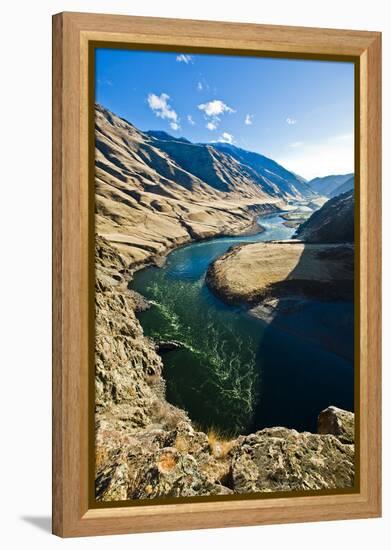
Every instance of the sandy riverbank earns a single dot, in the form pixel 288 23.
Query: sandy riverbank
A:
pixel 249 273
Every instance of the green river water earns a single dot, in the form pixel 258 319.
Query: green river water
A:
pixel 237 373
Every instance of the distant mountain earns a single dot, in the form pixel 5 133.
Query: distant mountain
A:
pixel 328 184
pixel 333 223
pixel 348 185
pixel 282 180
pixel 224 166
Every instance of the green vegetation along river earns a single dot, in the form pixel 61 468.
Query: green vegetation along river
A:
pixel 236 373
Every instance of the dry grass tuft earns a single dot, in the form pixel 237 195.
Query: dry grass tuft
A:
pixel 153 379
pixel 165 414
pixel 101 457
pixel 219 445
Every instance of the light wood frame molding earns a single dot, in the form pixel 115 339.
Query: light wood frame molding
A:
pixel 72 33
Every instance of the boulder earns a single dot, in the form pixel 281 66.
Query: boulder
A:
pixel 337 422
pixel 281 459
pixel 168 345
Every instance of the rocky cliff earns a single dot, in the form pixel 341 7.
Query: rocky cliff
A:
pixel 147 448
pixel 332 223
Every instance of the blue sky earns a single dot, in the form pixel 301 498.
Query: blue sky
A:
pixel 298 112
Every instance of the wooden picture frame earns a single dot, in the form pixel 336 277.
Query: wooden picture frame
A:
pixel 72 280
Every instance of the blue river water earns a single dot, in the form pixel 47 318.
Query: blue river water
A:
pixel 237 373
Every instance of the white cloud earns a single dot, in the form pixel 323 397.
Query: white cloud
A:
pixel 215 107
pixel 226 138
pixel 295 144
pixel 333 155
pixel 174 126
pixel 105 82
pixel 184 58
pixel 212 125
pixel 200 86
pixel 249 120
pixel 190 120
pixel 290 120
pixel 160 106
pixel 212 110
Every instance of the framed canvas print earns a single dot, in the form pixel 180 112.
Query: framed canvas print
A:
pixel 216 215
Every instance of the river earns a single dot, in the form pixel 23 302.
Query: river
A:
pixel 236 373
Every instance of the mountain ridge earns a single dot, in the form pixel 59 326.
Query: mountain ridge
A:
pixel 267 171
pixel 287 181
pixel 155 192
pixel 327 185
pixel 347 185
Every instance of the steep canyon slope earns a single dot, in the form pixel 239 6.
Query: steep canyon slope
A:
pixel 333 223
pixel 155 192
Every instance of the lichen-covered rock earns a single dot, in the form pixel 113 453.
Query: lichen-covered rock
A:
pixel 129 388
pixel 337 422
pixel 171 473
pixel 128 381
pixel 156 463
pixel 280 459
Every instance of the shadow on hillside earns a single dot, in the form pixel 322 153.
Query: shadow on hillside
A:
pixel 306 355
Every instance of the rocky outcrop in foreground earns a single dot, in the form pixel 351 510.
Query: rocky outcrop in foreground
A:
pixel 147 448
